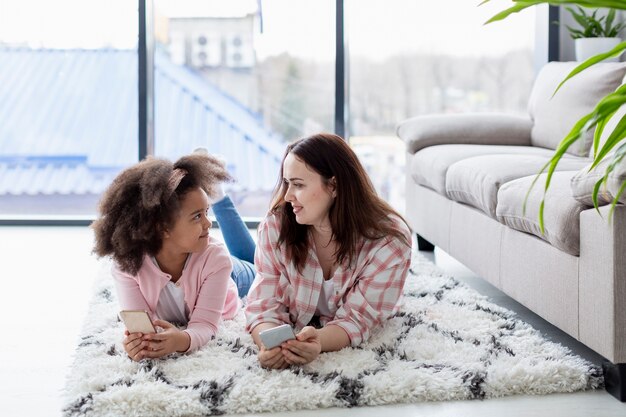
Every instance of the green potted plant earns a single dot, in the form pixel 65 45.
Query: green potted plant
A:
pixel 614 148
pixel 595 34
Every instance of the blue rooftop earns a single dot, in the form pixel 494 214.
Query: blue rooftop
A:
pixel 68 121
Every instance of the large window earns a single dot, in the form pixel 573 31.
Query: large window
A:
pixel 243 81
pixel 409 58
pixel 241 78
pixel 68 103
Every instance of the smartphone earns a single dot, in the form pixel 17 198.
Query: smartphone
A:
pixel 275 336
pixel 137 321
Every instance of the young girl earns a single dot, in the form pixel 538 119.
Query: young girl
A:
pixel 332 257
pixel 154 224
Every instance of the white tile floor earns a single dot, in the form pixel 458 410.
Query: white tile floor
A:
pixel 47 277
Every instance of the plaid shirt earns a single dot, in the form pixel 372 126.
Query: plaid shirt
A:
pixel 364 296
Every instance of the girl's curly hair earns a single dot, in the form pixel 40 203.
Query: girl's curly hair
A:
pixel 143 202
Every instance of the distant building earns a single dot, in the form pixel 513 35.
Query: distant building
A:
pixel 221 49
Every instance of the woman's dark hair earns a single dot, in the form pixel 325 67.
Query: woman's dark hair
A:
pixel 144 200
pixel 356 212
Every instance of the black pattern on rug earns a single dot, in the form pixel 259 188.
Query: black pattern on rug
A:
pixel 446 342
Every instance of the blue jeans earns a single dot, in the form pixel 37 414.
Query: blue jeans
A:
pixel 239 243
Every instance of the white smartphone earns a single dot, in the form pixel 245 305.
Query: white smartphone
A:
pixel 276 335
pixel 137 321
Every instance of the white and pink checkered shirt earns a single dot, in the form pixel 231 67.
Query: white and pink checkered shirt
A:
pixel 365 295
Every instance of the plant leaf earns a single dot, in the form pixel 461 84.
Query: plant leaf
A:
pixel 542 225
pixel 609 4
pixel 617 158
pixel 580 17
pixel 604 108
pixel 597 135
pixel 608 23
pixel 575 33
pixel 616 199
pixel 523 4
pixel 620 153
pixel 616 136
pixel 513 9
pixel 594 195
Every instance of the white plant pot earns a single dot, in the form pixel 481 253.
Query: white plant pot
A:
pixel 588 47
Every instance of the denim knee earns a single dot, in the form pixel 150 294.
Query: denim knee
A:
pixel 243 275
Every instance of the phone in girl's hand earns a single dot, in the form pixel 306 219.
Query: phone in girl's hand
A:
pixel 137 321
pixel 276 335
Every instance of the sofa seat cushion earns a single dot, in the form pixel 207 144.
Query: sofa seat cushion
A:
pixel 428 167
pixel 561 211
pixel 475 181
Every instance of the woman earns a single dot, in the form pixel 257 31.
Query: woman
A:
pixel 154 223
pixel 332 257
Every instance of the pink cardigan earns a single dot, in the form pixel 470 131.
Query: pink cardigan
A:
pixel 210 293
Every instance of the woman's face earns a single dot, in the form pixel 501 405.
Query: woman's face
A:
pixel 190 232
pixel 310 198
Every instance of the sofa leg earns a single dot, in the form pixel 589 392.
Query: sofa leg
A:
pixel 424 245
pixel 615 379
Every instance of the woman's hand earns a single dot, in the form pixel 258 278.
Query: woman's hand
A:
pixel 268 358
pixel 304 349
pixel 272 358
pixel 156 345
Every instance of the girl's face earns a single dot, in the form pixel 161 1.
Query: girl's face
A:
pixel 190 232
pixel 310 198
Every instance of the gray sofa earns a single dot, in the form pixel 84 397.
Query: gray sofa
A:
pixel 467 177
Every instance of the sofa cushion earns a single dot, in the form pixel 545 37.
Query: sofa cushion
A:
pixel 561 212
pixel 428 167
pixel 554 117
pixel 584 181
pixel 476 181
pixel 467 128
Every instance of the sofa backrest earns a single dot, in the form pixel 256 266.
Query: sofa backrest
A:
pixel 554 117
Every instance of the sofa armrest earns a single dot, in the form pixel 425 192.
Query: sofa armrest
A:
pixel 474 128
pixel 601 283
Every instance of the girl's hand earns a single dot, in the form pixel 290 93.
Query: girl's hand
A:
pixel 156 345
pixel 306 348
pixel 133 344
pixel 272 358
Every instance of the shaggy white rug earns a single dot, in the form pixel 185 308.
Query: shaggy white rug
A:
pixel 448 342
